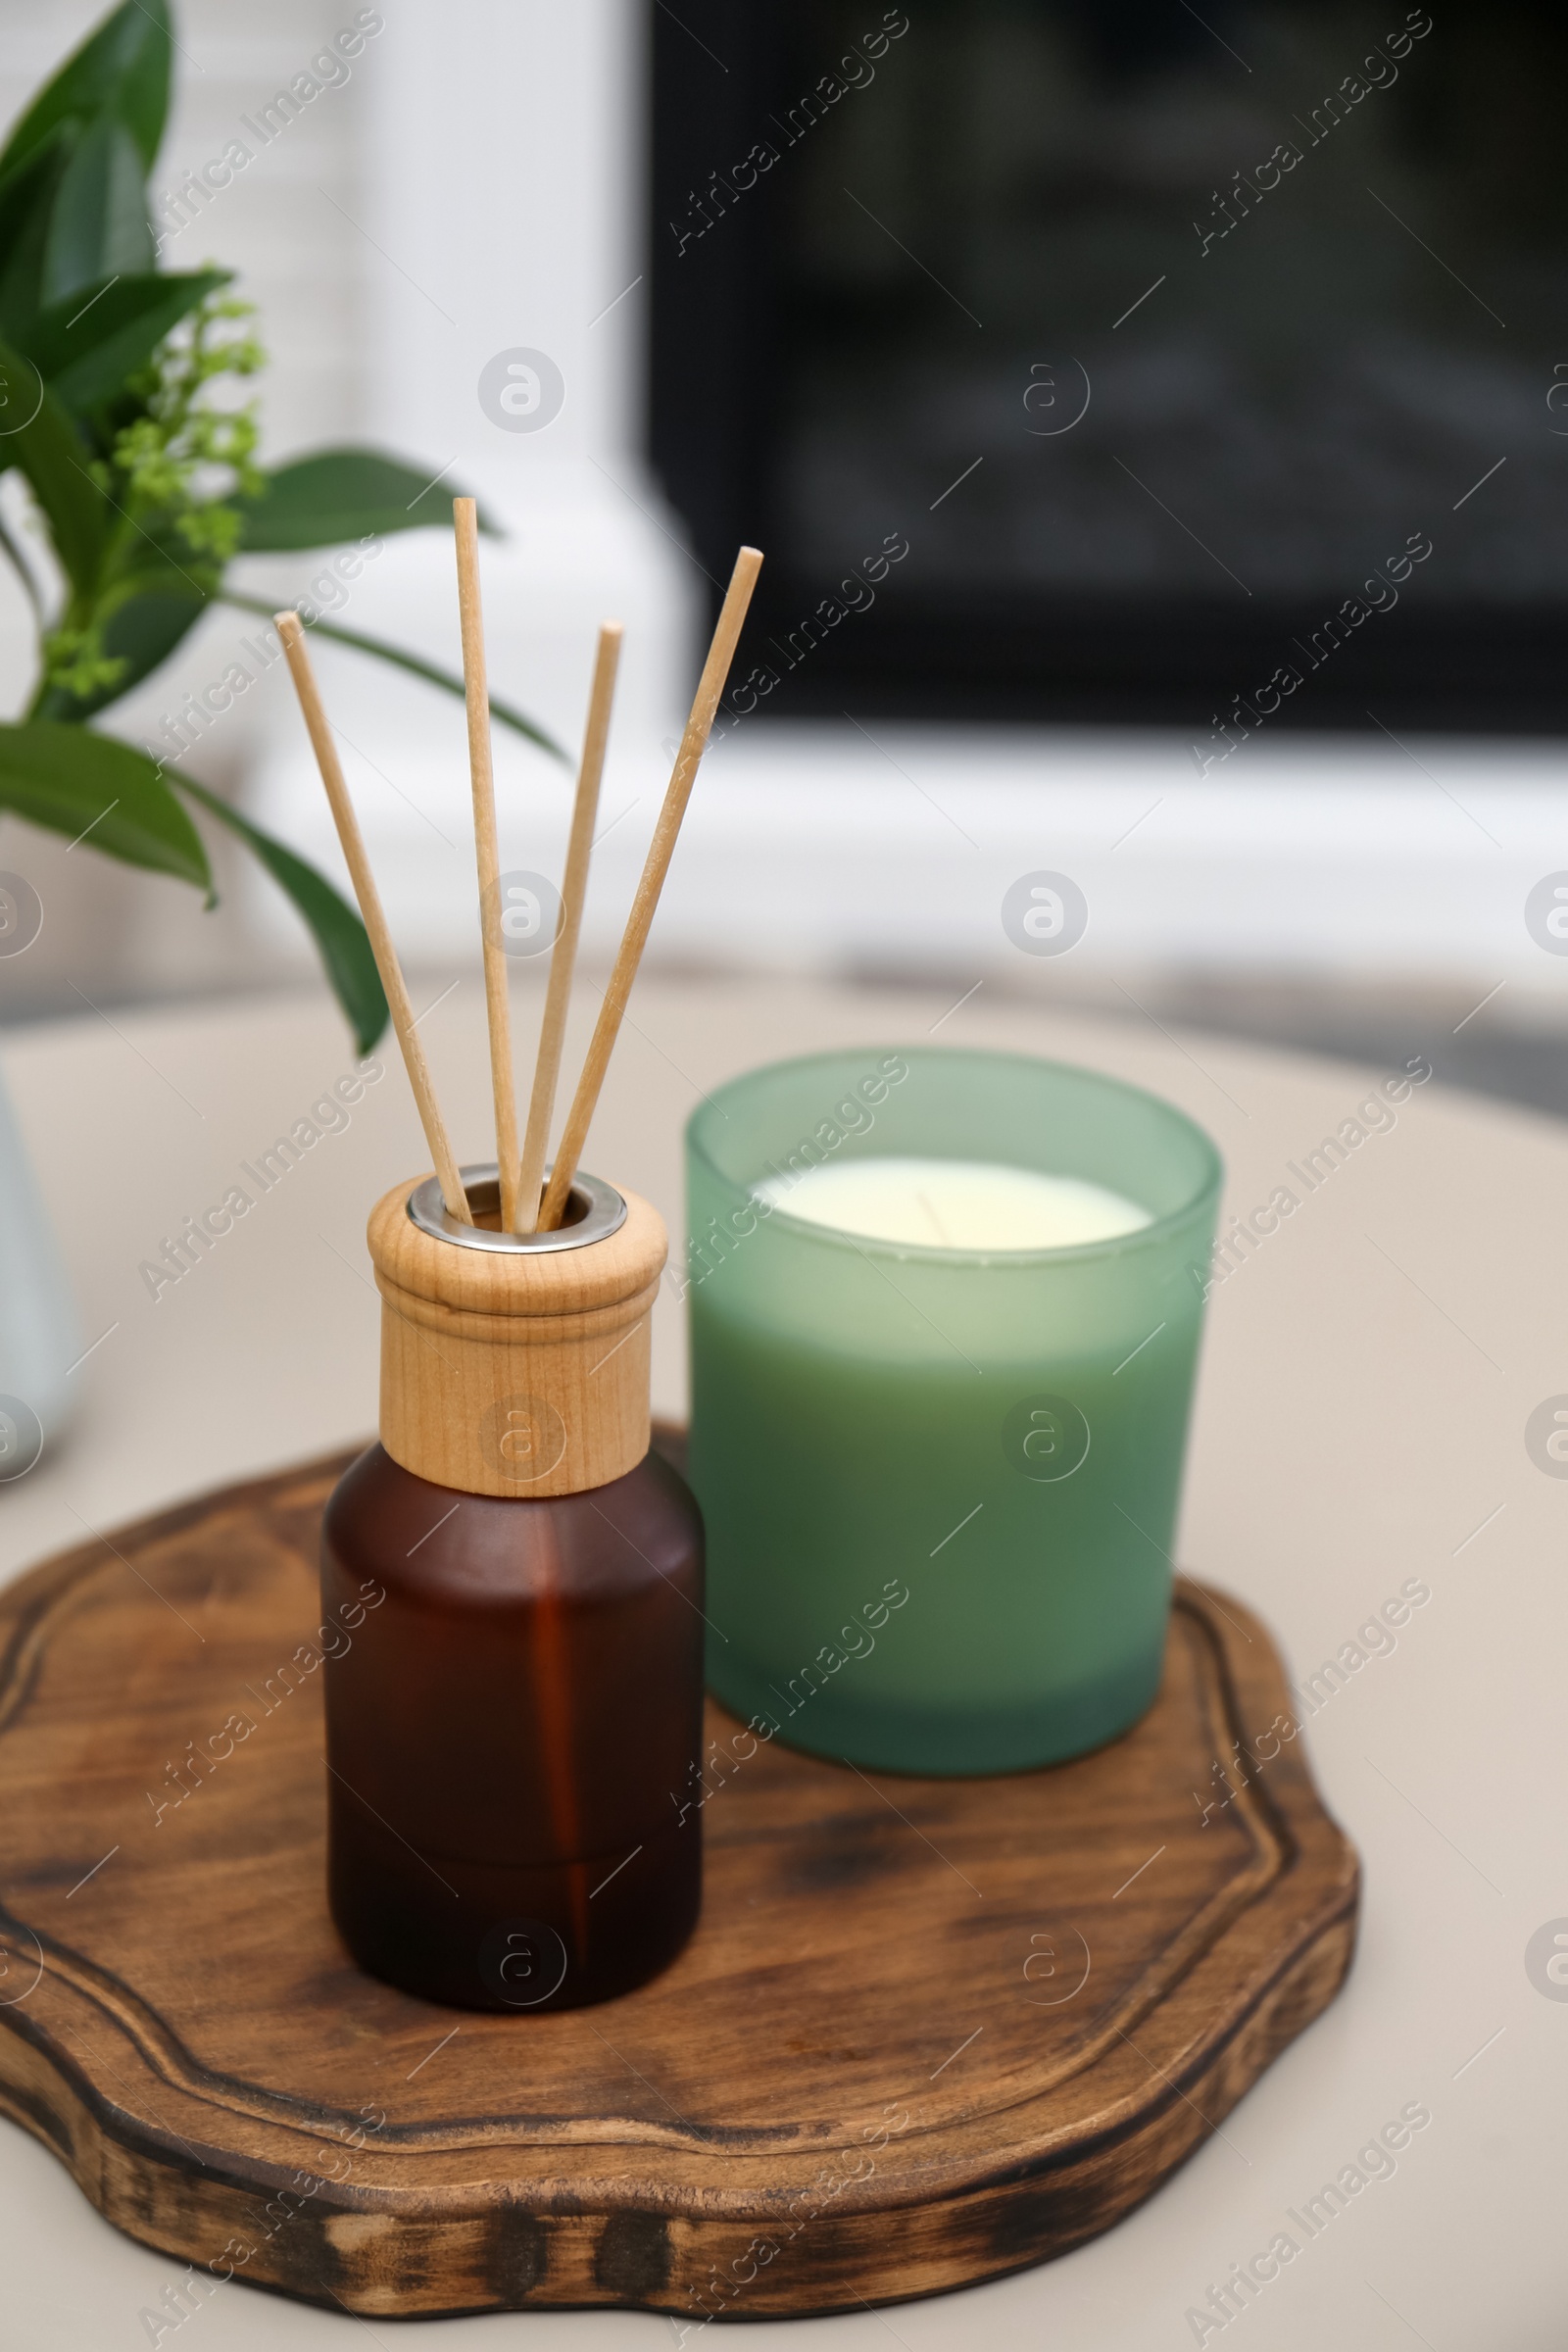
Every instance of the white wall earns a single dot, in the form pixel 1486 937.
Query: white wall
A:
pixel 474 188
pixel 469 188
pixel 810 847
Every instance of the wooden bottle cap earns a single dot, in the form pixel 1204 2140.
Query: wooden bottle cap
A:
pixel 515 1364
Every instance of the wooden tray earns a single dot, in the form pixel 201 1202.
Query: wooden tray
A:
pixel 928 2030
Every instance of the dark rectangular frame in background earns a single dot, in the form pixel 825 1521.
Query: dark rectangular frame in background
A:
pixel 728 324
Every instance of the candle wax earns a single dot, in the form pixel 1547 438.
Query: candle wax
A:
pixel 955 1203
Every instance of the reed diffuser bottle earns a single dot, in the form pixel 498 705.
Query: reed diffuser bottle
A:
pixel 512 1728
pixel 505 1730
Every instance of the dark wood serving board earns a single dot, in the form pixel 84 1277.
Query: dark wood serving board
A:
pixel 928 2032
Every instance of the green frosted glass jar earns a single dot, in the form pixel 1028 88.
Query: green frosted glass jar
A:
pixel 939 1485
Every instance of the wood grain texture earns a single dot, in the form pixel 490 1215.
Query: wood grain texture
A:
pixel 487 853
pixel 880 2070
pixel 515 1373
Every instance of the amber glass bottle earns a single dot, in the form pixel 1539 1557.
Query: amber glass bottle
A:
pixel 513 1722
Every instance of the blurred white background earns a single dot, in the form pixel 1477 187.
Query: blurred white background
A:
pixel 475 185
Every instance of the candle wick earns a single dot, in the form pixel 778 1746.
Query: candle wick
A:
pixel 935 1220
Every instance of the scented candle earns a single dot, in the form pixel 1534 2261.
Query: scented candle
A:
pixel 944 1315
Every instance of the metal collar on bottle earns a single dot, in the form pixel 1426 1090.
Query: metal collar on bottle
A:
pixel 594 1211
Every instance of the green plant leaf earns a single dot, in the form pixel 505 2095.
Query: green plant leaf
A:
pixel 85 348
pixel 27 203
pixel 123 69
pixel 414 666
pixel 51 455
pixel 70 781
pixel 142 632
pixel 339 934
pixel 98 224
pixel 343 494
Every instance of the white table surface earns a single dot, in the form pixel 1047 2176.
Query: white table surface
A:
pixel 1364 1391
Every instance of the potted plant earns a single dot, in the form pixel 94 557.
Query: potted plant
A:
pixel 117 412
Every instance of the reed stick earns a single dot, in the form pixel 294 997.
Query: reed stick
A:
pixel 564 955
pixel 710 687
pixel 487 852
pixel 291 632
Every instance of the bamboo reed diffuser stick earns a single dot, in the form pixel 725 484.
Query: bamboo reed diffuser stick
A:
pixel 564 955
pixel 291 632
pixel 482 771
pixel 710 686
